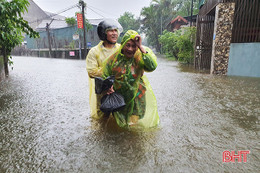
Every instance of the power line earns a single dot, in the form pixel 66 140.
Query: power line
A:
pixel 92 8
pixel 55 14
pixel 95 12
pixel 100 10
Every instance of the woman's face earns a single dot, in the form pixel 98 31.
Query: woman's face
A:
pixel 129 49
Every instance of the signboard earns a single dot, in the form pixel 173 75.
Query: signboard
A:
pixel 72 53
pixel 89 44
pixel 75 36
pixel 80 20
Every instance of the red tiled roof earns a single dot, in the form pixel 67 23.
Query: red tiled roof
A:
pixel 179 19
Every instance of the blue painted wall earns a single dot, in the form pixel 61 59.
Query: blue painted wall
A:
pixel 62 37
pixel 244 60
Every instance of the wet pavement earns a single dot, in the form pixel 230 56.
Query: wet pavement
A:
pixel 45 123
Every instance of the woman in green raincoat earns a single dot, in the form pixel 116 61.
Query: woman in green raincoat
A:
pixel 128 65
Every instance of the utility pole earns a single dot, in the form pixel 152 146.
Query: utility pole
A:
pixel 49 37
pixel 82 3
pixel 191 11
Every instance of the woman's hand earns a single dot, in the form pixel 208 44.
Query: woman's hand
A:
pixel 138 42
pixel 110 90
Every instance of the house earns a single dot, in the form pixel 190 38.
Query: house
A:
pixel 180 22
pixel 34 14
pixel 192 19
pixel 59 34
pixel 228 37
pixel 177 23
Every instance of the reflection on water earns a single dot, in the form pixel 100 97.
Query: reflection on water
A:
pixel 45 124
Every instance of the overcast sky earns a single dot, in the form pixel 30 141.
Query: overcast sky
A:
pixel 96 9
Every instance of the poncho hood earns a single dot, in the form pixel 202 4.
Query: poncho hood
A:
pixel 130 34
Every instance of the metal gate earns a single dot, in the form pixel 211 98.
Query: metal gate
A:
pixel 205 29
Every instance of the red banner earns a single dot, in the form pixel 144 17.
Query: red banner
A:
pixel 80 20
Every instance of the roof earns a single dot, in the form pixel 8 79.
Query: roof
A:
pixel 55 16
pixel 34 15
pixel 37 18
pixel 61 23
pixel 201 3
pixel 55 24
pixel 179 19
pixel 194 18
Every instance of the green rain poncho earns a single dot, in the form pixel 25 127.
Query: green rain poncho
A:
pixel 141 105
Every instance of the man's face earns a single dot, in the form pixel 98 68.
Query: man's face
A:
pixel 129 49
pixel 112 35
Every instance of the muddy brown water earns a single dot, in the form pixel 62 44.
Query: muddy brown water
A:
pixel 45 123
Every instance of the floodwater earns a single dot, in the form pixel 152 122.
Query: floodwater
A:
pixel 45 123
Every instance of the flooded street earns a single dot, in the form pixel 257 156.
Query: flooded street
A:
pixel 45 124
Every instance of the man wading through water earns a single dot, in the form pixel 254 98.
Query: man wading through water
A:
pixel 108 32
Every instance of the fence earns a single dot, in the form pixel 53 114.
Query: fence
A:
pixel 205 28
pixel 246 27
pixel 246 24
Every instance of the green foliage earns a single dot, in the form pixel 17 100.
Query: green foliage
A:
pixel 12 25
pixel 157 16
pixel 179 44
pixel 128 22
pixel 71 46
pixel 169 43
pixel 155 19
pixel 88 25
pixel 71 21
pixel 184 7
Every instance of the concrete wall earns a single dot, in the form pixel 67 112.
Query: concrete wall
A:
pixel 244 60
pixel 61 53
pixel 66 54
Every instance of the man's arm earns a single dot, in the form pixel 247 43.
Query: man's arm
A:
pixel 93 68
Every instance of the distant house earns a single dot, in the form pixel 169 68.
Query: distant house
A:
pixel 192 19
pixel 177 23
pixel 61 34
pixel 180 22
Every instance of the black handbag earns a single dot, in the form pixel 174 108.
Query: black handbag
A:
pixel 103 84
pixel 109 102
pixel 112 102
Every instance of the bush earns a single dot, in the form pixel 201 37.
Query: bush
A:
pixel 179 44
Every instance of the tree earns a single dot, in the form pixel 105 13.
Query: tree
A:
pixel 88 25
pixel 12 25
pixel 179 44
pixel 156 17
pixel 71 21
pixel 184 7
pixel 128 21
